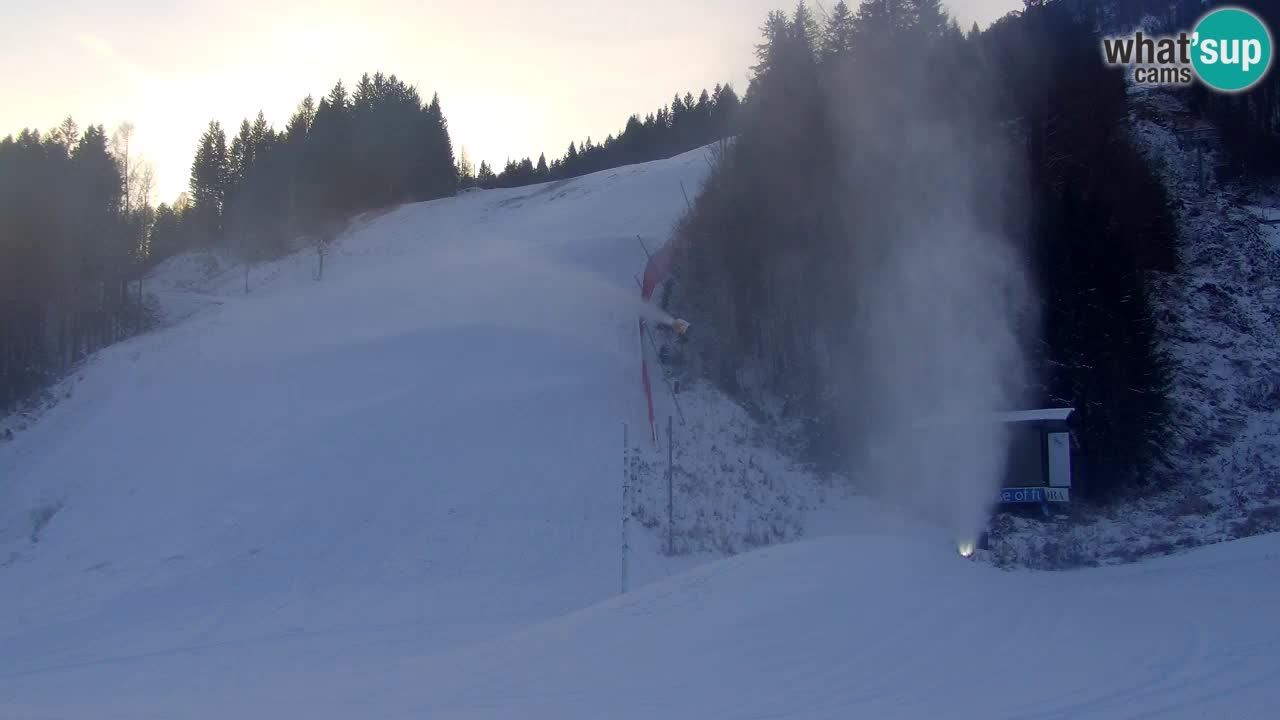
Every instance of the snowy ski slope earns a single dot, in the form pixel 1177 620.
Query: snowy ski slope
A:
pixel 394 493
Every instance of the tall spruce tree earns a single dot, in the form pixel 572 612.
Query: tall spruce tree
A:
pixel 838 35
pixel 210 172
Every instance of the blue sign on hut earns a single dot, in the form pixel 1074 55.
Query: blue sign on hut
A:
pixel 1039 468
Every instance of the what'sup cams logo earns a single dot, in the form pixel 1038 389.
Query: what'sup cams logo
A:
pixel 1229 50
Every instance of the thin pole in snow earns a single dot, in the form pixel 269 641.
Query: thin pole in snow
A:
pixel 626 477
pixel 671 533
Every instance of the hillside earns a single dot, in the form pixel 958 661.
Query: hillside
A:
pixel 396 492
pixel 428 439
pixel 1218 318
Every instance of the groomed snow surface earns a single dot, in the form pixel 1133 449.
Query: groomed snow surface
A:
pixel 396 493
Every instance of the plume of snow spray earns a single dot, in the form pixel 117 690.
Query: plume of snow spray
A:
pixel 941 300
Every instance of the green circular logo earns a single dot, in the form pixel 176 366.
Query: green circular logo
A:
pixel 1231 49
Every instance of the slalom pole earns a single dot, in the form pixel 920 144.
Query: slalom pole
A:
pixel 626 478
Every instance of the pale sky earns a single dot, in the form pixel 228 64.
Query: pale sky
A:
pixel 515 77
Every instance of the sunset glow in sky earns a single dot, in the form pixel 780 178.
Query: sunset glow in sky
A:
pixel 515 77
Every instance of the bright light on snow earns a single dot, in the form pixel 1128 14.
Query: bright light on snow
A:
pixel 966 548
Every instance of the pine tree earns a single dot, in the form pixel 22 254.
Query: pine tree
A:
pixel 363 97
pixel 209 176
pixel 240 156
pixel 262 135
pixel 166 238
pixel 837 37
pixel 66 254
pixel 804 27
pixel 466 171
pixel 702 121
pixel 338 98
pixel 677 113
pixel 69 132
pixel 929 19
pixel 725 111
pixel 485 177
pixel 100 172
pixel 438 170
pixel 301 121
pixel 776 29
pixel 509 175
pixel 694 122
pixel 327 165
pixel 877 23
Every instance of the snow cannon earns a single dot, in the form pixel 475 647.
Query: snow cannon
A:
pixel 680 326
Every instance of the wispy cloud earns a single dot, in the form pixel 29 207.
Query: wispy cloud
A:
pixel 131 70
